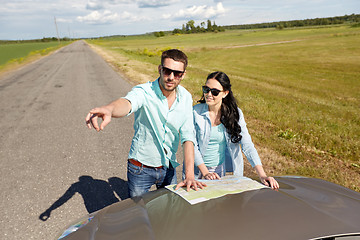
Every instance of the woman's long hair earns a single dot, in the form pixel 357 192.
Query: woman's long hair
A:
pixel 229 109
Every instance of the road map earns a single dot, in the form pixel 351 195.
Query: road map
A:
pixel 217 188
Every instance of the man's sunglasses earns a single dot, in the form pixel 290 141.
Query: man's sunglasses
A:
pixel 213 91
pixel 168 71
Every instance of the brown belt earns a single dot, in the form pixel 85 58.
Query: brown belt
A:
pixel 139 164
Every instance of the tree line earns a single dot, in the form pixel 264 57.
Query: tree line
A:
pixel 45 39
pixel 209 26
pixel 353 18
pixel 190 27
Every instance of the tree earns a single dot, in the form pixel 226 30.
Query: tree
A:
pixel 176 31
pixel 183 28
pixel 191 25
pixel 202 29
pixel 279 26
pixel 209 26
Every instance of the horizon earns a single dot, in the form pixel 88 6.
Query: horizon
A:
pixel 21 20
pixel 149 33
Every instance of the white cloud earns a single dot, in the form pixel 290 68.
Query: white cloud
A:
pixel 63 20
pixel 154 3
pixel 129 17
pixel 139 3
pixel 93 5
pixel 97 17
pixel 120 1
pixel 199 12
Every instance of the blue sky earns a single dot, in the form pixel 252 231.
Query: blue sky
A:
pixel 33 19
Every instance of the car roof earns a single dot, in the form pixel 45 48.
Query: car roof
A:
pixel 303 208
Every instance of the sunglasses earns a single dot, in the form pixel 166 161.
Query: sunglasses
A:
pixel 168 71
pixel 213 91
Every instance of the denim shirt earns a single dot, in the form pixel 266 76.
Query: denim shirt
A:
pixel 159 129
pixel 233 156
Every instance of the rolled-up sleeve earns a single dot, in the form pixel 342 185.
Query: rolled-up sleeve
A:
pixel 187 128
pixel 136 97
pixel 247 145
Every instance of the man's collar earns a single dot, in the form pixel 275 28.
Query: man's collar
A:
pixel 157 89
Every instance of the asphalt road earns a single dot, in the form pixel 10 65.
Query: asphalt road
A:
pixel 49 159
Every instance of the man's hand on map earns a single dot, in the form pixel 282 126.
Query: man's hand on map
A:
pixel 270 182
pixel 190 183
pixel 212 176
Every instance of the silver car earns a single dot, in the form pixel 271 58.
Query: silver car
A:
pixel 303 208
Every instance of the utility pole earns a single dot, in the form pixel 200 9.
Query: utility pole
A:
pixel 69 33
pixel 57 32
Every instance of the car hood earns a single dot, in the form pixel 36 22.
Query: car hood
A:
pixel 303 208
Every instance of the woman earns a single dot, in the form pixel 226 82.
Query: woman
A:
pixel 220 128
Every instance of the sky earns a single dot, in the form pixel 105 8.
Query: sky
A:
pixel 34 19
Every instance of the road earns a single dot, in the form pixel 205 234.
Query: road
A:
pixel 49 159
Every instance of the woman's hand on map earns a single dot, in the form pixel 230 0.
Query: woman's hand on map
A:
pixel 270 182
pixel 212 176
pixel 206 174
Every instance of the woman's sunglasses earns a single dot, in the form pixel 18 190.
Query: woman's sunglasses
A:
pixel 168 71
pixel 213 91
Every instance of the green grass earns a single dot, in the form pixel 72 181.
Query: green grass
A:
pixel 299 89
pixel 18 52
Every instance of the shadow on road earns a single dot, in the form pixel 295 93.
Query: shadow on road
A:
pixel 96 193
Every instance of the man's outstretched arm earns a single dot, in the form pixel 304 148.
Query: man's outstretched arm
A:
pixel 117 109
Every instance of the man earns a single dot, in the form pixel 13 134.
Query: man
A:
pixel 163 115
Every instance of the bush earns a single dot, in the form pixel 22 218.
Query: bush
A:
pixel 159 34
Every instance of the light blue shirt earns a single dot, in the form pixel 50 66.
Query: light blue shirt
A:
pixel 158 129
pixel 215 152
pixel 233 156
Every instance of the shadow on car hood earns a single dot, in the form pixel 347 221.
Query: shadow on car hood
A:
pixel 303 208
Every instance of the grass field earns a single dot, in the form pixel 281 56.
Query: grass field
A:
pixel 17 53
pixel 299 90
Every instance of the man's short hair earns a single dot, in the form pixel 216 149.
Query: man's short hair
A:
pixel 175 55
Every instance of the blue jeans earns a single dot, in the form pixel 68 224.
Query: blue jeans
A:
pixel 140 179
